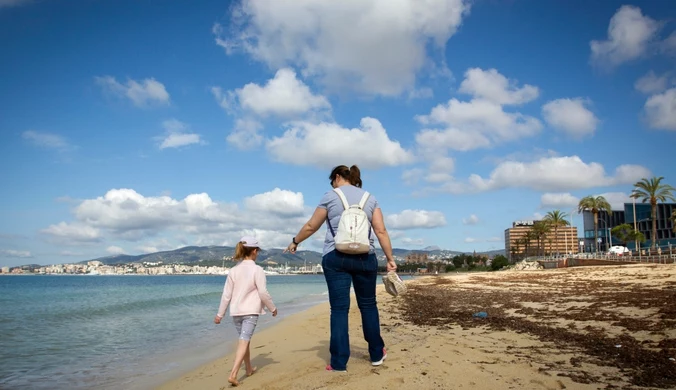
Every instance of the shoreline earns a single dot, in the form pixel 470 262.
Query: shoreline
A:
pixel 229 344
pixel 574 328
pixel 261 338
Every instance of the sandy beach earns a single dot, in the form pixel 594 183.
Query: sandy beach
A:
pixel 611 327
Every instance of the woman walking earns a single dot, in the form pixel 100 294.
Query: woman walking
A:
pixel 352 263
pixel 246 292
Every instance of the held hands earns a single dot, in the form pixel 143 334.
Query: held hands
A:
pixel 291 248
pixel 217 320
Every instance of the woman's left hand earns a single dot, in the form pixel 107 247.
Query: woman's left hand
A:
pixel 291 248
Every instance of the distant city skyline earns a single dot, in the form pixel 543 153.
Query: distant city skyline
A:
pixel 133 127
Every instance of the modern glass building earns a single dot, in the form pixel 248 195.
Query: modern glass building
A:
pixel 665 226
pixel 606 222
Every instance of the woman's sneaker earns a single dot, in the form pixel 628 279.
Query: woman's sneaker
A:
pixel 379 362
pixel 329 368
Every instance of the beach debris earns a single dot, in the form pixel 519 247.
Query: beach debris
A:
pixel 526 266
pixel 522 297
pixel 481 314
pixel 618 346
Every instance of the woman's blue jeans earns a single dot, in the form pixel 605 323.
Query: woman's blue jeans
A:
pixel 341 270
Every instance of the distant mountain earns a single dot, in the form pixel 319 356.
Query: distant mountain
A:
pixel 195 254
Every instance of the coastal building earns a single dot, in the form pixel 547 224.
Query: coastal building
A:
pixel 518 245
pixel 607 221
pixel 417 258
pixel 5 270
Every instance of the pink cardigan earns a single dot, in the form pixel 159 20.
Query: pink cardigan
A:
pixel 245 290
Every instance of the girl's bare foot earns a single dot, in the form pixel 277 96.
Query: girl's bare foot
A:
pixel 233 382
pixel 253 371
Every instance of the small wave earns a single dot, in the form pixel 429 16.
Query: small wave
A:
pixel 135 306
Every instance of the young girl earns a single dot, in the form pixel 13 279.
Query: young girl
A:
pixel 245 290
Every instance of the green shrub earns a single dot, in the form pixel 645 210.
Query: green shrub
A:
pixel 498 262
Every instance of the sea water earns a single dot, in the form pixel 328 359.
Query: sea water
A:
pixel 122 332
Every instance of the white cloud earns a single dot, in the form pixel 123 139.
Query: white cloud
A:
pixel 329 144
pixel 284 96
pixel 495 239
pixel 375 47
pixel 412 241
pixel 277 201
pixel 157 245
pixel 567 201
pixel 125 215
pixel 561 200
pixel 15 253
pixel 493 86
pixel 668 46
pixel 178 140
pixel 629 35
pixel 177 135
pixel 147 92
pixel 72 233
pixel 227 100
pixel 442 164
pixel 452 138
pixel 47 140
pixel 415 219
pixel 246 134
pixel 439 170
pixel 549 174
pixel 617 199
pixel 481 122
pixel 115 250
pixel 571 116
pixel 421 93
pixel 651 83
pixel 412 176
pixel 471 220
pixel 660 110
pixel 474 124
pixel 470 240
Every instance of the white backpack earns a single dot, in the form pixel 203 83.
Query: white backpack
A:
pixel 354 229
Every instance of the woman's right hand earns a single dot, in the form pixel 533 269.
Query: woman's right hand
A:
pixel 274 313
pixel 391 265
pixel 217 320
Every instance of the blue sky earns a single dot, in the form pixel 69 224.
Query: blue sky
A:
pixel 136 126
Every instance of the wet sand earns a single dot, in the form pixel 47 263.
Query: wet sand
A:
pixel 608 327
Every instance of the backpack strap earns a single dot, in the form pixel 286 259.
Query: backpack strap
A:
pixel 342 197
pixel 363 200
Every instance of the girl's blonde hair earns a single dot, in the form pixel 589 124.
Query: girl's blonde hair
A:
pixel 242 252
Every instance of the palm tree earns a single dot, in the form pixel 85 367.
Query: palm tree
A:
pixel 654 191
pixel 556 218
pixel 540 230
pixel 516 247
pixel 594 204
pixel 527 239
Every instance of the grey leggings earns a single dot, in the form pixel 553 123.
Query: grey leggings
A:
pixel 245 326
